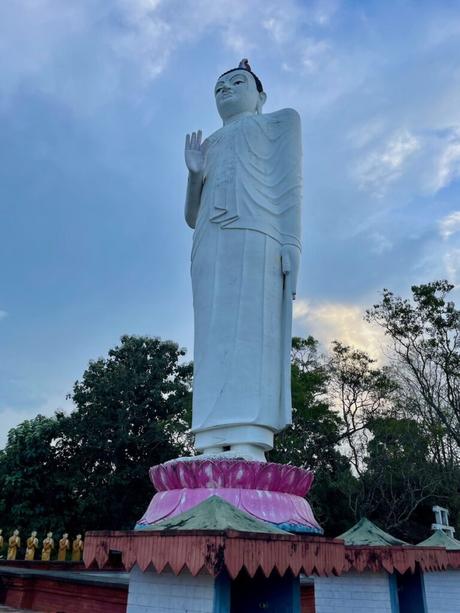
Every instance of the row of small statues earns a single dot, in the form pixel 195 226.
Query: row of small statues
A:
pixel 14 543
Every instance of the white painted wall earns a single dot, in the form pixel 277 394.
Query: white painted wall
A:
pixel 442 591
pixel 165 593
pixel 353 593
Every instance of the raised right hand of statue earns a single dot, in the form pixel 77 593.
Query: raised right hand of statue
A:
pixel 194 152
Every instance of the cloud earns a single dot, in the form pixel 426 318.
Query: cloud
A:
pixel 278 27
pixel 380 243
pixel 314 54
pixel 382 166
pixel 449 225
pixel 438 259
pixel 335 321
pixel 84 53
pixel 283 22
pixel 448 164
pixel 452 265
pixel 366 132
pixel 381 135
pixel 81 53
pixel 323 11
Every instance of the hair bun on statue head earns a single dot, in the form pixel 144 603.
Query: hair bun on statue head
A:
pixel 244 65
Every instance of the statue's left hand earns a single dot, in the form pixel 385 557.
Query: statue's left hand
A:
pixel 290 263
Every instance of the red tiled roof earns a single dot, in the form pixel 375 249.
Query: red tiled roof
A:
pixel 400 558
pixel 212 551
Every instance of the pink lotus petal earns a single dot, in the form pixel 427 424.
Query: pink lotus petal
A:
pixel 163 504
pixel 210 474
pixel 240 475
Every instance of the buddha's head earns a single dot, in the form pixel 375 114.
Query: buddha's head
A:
pixel 239 91
pixel 65 535
pixel 34 534
pixel 16 532
pixel 49 534
pixel 78 537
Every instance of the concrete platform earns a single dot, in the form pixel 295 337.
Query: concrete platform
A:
pixel 108 577
pixel 42 590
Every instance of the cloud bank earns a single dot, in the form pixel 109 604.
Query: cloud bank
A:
pixel 342 322
pixel 95 98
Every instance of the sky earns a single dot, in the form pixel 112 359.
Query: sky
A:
pixel 96 97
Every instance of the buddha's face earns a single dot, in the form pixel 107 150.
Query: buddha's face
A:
pixel 49 535
pixel 236 93
pixel 34 534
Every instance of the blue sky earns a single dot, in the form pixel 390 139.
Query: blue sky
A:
pixel 95 99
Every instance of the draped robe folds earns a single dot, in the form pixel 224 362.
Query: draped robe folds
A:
pixel 250 208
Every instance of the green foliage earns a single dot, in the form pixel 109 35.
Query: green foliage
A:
pixel 315 431
pixel 383 441
pixel 89 470
pixel 34 482
pixel 311 441
pixel 131 414
pixel 425 334
pixel 402 482
pixel 359 391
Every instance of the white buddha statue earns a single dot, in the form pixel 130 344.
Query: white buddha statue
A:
pixel 244 198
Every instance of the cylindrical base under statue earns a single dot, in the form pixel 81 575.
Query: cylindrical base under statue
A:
pixel 257 437
pixel 270 492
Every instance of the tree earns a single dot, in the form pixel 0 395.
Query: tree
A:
pixel 425 335
pixel 401 481
pixel 132 410
pixel 360 392
pixel 89 470
pixel 35 484
pixel 311 441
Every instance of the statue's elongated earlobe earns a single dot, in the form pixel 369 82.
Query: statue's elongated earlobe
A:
pixel 261 102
